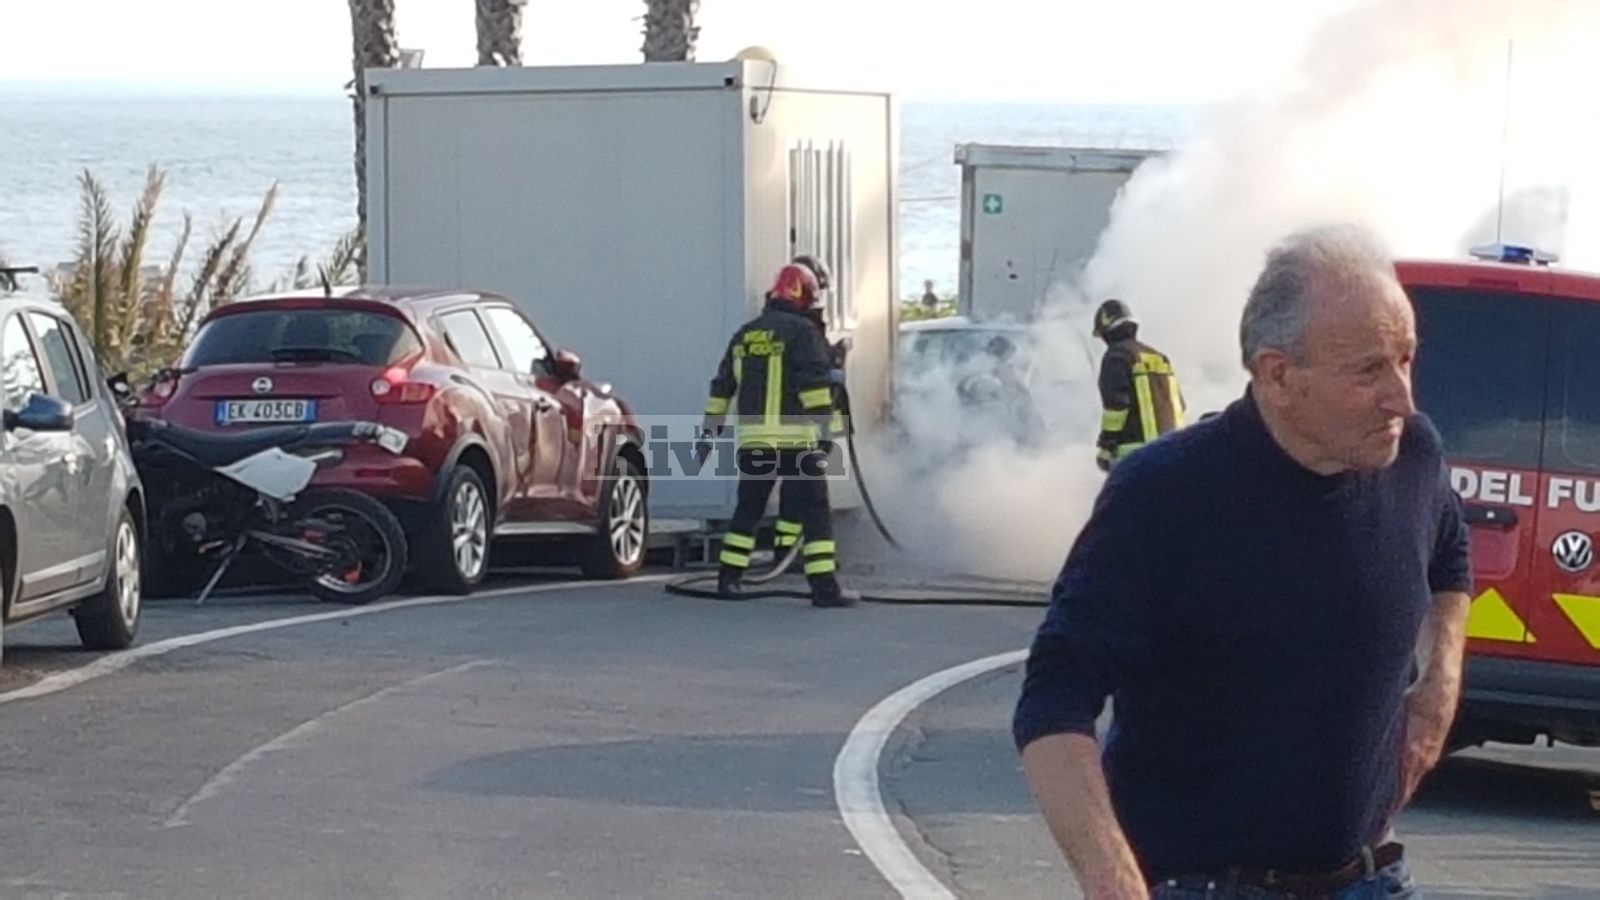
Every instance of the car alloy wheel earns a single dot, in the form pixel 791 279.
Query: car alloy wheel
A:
pixel 469 530
pixel 627 519
pixel 129 594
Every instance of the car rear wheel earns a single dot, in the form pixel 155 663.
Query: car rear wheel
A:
pixel 110 619
pixel 617 551
pixel 455 554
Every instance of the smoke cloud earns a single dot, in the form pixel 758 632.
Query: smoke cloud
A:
pixel 1393 116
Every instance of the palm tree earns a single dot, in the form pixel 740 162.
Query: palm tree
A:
pixel 669 30
pixel 374 45
pixel 137 316
pixel 500 32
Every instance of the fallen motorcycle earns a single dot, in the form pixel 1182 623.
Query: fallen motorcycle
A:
pixel 213 497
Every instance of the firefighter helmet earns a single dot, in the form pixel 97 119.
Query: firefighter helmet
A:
pixel 795 287
pixel 817 267
pixel 1111 315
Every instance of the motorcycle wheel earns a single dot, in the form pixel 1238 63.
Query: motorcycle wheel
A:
pixel 374 544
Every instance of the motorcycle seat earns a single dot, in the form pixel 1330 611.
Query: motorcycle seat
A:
pixel 216 449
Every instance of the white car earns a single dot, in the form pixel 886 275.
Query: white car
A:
pixel 955 388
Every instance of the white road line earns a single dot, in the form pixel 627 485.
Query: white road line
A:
pixel 855 778
pixel 116 662
pixel 230 772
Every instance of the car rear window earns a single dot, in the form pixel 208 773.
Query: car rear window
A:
pixel 1480 373
pixel 303 335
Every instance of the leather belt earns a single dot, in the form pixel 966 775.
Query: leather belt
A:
pixel 1319 884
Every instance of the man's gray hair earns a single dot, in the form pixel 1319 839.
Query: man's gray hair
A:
pixel 1329 256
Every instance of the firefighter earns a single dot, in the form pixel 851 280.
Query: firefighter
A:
pixel 1139 392
pixel 775 379
pixel 788 530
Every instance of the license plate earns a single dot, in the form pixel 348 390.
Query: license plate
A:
pixel 231 412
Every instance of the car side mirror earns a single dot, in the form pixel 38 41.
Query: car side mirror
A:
pixel 566 364
pixel 42 413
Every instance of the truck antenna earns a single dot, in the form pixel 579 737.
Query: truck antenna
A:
pixel 1505 136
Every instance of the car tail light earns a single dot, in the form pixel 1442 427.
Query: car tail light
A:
pixel 396 386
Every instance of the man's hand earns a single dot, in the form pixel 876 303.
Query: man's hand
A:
pixel 1430 709
pixel 1431 702
pixel 1069 784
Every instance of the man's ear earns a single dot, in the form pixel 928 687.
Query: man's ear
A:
pixel 1270 373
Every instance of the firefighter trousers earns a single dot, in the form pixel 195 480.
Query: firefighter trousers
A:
pixel 804 509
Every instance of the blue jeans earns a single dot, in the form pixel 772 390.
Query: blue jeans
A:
pixel 1384 884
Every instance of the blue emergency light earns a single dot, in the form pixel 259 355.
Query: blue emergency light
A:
pixel 1512 253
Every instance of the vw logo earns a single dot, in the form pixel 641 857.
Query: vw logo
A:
pixel 261 385
pixel 1574 551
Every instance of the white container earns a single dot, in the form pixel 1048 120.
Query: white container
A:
pixel 638 213
pixel 1030 220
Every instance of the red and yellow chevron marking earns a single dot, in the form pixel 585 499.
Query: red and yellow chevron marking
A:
pixel 1585 615
pixel 1491 618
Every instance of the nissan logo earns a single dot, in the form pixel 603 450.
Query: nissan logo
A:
pixel 1573 550
pixel 261 385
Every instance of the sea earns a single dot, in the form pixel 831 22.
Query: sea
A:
pixel 222 153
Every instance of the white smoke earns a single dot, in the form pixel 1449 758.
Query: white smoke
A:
pixel 1393 116
pixel 962 487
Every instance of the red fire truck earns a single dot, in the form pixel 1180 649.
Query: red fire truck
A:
pixel 1509 370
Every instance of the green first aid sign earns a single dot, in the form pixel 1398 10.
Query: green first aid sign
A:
pixel 993 205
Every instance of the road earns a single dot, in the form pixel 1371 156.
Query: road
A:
pixel 559 739
pixel 1489 823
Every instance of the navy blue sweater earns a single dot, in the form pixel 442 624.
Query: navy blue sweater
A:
pixel 1253 623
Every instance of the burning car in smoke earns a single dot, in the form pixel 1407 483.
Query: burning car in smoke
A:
pixel 962 383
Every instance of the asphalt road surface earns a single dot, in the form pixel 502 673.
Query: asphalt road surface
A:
pixel 1491 822
pixel 558 739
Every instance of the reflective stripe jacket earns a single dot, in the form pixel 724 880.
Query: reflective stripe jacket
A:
pixel 1140 397
pixel 773 379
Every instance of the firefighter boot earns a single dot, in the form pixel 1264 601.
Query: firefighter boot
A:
pixel 825 592
pixel 728 583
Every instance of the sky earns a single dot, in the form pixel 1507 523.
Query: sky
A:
pixel 1130 51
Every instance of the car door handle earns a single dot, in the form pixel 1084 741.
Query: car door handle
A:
pixel 1490 516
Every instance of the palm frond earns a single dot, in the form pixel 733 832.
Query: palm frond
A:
pixel 233 279
pixel 133 246
pixel 202 289
pixel 96 263
pixel 343 265
pixel 130 309
pixel 165 302
pixel 295 277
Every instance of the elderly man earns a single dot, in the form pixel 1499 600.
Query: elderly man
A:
pixel 1276 598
